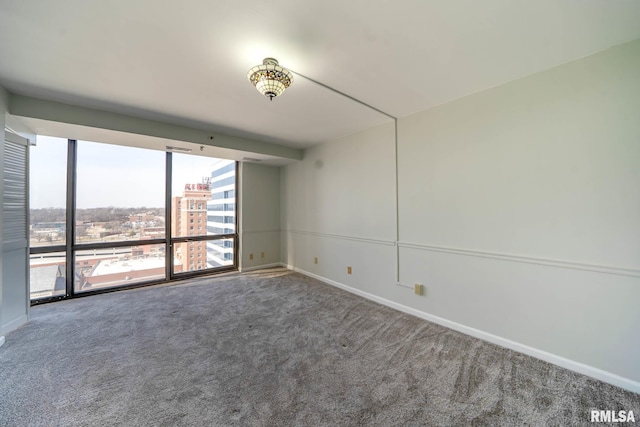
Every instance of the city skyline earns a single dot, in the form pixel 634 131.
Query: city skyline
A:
pixel 115 174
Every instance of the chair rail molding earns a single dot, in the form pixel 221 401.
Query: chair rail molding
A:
pixel 621 271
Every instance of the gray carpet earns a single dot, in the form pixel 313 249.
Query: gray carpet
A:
pixel 273 348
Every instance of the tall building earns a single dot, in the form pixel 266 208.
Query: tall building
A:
pixel 221 212
pixel 189 218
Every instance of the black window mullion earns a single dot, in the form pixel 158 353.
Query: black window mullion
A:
pixel 72 152
pixel 168 251
pixel 237 208
pixel 36 250
pixel 116 244
pixel 183 239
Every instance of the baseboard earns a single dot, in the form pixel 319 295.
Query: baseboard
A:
pixel 1 341
pixel 563 362
pixel 260 267
pixel 14 324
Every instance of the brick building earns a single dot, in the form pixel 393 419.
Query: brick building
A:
pixel 189 218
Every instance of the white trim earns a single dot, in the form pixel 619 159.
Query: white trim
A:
pixel 260 267
pixel 15 324
pixel 572 265
pixel 343 237
pixel 1 341
pixel 581 368
pixel 621 271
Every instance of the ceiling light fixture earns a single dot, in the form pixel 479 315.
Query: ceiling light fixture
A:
pixel 270 78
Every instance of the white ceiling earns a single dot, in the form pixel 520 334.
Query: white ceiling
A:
pixel 186 62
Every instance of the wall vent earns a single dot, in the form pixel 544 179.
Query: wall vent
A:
pixel 178 149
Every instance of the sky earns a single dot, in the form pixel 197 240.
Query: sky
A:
pixel 108 175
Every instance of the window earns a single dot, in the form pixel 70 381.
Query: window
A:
pixel 47 192
pixel 115 186
pixel 209 175
pixel 220 252
pixel 119 224
pixel 47 274
pixel 105 268
pixel 47 217
pixel 224 167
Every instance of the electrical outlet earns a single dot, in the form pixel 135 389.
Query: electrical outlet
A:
pixel 418 289
pixel 250 256
pixel 261 254
pixel 349 270
pixel 315 260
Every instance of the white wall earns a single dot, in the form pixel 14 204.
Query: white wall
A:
pixel 260 218
pixel 519 211
pixel 339 207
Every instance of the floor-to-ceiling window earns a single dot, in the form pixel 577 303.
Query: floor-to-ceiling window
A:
pixel 106 216
pixel 221 219
pixel 47 217
pixel 119 216
pixel 196 234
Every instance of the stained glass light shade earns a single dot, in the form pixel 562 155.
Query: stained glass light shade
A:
pixel 270 78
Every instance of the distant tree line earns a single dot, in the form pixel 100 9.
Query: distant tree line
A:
pixel 108 214
pixel 47 215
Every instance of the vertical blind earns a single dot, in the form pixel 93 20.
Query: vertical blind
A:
pixel 14 201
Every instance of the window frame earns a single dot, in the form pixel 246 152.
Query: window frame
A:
pixel 169 241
